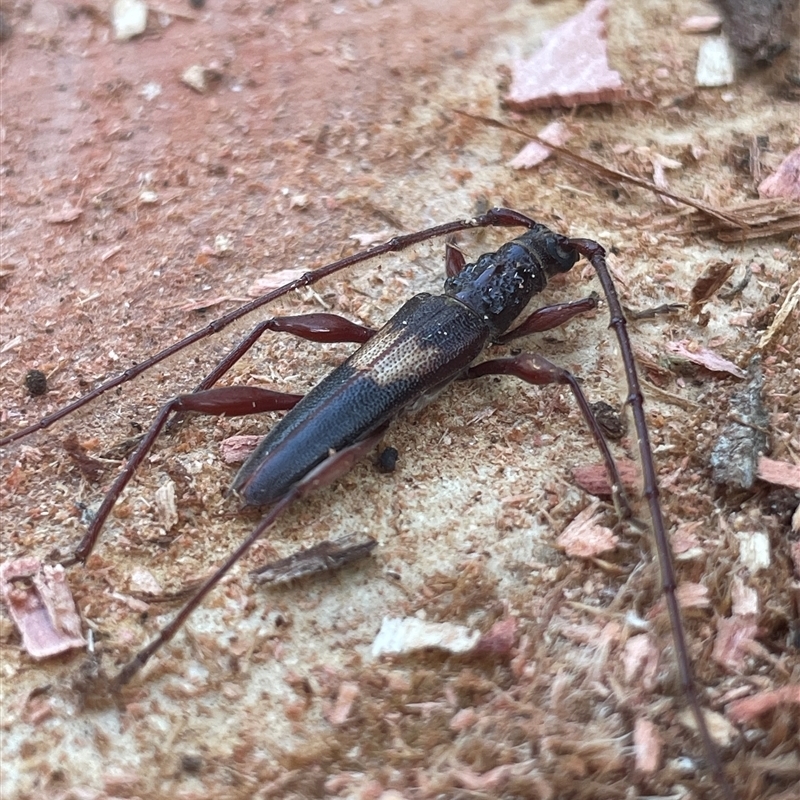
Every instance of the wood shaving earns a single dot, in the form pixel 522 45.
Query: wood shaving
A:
pixel 647 746
pixel 705 357
pixel 750 708
pixel 584 537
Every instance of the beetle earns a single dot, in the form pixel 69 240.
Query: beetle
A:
pixel 430 342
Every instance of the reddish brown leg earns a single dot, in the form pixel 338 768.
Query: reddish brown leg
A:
pixel 328 471
pixel 597 256
pixel 549 317
pixel 454 260
pixel 230 401
pixel 539 371
pixel 323 328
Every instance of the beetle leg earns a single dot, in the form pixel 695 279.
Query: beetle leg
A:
pixel 454 259
pixel 539 371
pixel 229 401
pixel 324 328
pixel 549 317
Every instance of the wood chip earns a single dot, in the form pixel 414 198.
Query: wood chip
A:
pixel 166 506
pixel 704 357
pixel 274 280
pixel 584 537
pixel 709 282
pixel 647 746
pixel 749 708
pixel 40 603
pixel 714 63
pixel 733 641
pixel 534 153
pixel 754 550
pixel 641 659
pixel 500 639
pixel 67 213
pixel 323 557
pixel 780 473
pixel 593 478
pixel 236 449
pixel 722 732
pixel 707 23
pixel 743 438
pixel 785 181
pixel 571 68
pixel 400 636
pixel 348 692
pixel 787 307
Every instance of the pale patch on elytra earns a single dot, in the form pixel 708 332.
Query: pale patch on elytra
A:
pixel 392 356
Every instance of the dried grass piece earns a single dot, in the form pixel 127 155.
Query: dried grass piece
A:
pixel 755 220
pixel 40 603
pixel 724 216
pixel 787 307
pixel 570 69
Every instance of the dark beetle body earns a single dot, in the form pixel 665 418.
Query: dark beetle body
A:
pixel 427 344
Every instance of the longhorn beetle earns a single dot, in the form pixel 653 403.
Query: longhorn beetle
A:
pixel 430 341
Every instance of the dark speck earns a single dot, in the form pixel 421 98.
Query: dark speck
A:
pixel 191 763
pixel 36 382
pixel 387 460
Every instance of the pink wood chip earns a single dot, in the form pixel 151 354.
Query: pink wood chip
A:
pixel 785 181
pixel 571 68
pixel 534 153
pixel 41 605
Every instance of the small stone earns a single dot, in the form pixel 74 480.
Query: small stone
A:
pixel 195 78
pixel 129 18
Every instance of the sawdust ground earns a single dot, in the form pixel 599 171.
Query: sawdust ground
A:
pixel 330 121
